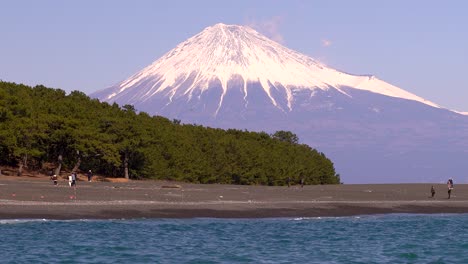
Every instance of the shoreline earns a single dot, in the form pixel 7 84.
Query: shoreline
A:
pixel 69 212
pixel 31 198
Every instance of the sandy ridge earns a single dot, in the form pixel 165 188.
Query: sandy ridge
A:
pixel 37 198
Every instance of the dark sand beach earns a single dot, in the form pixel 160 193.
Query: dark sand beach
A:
pixel 36 197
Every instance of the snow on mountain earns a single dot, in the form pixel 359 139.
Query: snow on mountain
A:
pixel 223 52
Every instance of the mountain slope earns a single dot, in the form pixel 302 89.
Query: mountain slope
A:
pixel 223 52
pixel 233 77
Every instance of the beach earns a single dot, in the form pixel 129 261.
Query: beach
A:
pixel 38 198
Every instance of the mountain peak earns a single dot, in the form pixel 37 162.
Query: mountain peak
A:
pixel 222 53
pixel 226 26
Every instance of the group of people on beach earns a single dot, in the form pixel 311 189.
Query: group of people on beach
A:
pixel 72 178
pixel 449 187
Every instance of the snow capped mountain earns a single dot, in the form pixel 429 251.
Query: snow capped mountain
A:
pixel 223 52
pixel 231 76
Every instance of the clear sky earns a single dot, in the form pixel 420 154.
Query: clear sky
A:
pixel 419 45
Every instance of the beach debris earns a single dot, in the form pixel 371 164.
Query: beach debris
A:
pixel 221 196
pixel 174 186
pixel 369 191
pixel 13 194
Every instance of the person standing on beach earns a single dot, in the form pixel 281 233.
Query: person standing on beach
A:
pixel 450 187
pixel 288 181
pixel 72 179
pixel 302 182
pixel 432 191
pixel 90 175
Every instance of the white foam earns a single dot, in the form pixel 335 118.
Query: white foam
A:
pixel 20 221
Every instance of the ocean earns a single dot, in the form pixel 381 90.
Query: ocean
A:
pixel 393 238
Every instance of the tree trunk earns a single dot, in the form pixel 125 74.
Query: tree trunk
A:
pixel 25 160
pixel 22 164
pixel 77 164
pixel 59 165
pixel 126 166
pixel 20 169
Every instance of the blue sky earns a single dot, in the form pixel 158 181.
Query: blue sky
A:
pixel 419 46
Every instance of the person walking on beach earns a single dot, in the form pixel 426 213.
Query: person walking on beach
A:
pixel 302 182
pixel 450 187
pixel 54 179
pixel 90 175
pixel 432 191
pixel 288 181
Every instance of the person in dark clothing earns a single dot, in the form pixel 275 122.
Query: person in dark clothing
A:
pixel 90 175
pixel 450 187
pixel 302 182
pixel 288 181
pixel 432 191
pixel 73 179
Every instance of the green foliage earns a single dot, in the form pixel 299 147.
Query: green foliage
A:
pixel 286 136
pixel 41 125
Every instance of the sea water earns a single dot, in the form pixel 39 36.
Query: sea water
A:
pixel 393 238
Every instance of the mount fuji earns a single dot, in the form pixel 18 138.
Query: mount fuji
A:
pixel 231 76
